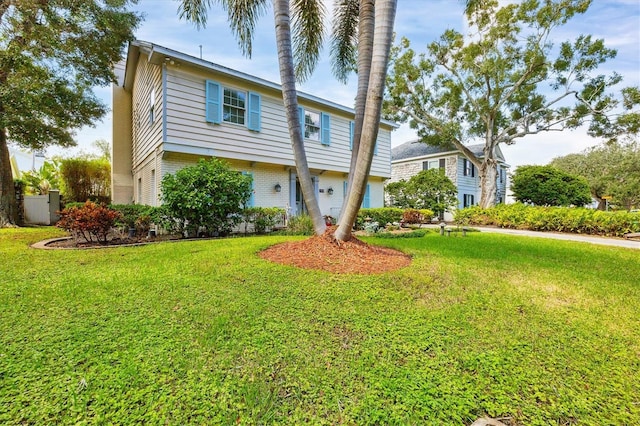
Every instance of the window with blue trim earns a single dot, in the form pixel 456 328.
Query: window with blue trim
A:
pixel 316 126
pixel 225 104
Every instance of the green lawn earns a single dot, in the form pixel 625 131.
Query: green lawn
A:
pixel 205 332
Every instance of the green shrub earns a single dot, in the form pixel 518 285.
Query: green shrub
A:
pixel 85 179
pixel 208 196
pixel 136 216
pixel 300 225
pixel 417 233
pixel 263 218
pixel 554 219
pixel 89 221
pixel 382 215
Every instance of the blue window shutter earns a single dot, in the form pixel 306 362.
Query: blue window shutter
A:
pixel 325 122
pixel 251 201
pixel 366 201
pixel 213 110
pixel 344 189
pixel 352 129
pixel 301 112
pixel 254 112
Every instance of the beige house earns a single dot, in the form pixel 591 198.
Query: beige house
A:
pixel 171 109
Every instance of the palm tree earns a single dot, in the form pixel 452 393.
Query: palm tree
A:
pixel 365 26
pixel 307 35
pixel 373 68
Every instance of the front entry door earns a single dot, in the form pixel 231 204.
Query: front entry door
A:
pixel 297 199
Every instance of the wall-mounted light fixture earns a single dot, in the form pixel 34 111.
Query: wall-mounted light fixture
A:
pixel 277 188
pixel 330 191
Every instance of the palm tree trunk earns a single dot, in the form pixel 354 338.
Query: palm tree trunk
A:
pixel 385 12
pixel 290 99
pixel 366 28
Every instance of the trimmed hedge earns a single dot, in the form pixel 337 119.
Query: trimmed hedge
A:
pixel 555 219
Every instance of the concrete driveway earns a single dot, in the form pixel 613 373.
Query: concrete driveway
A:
pixel 616 242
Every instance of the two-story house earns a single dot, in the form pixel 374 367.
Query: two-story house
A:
pixel 412 157
pixel 171 109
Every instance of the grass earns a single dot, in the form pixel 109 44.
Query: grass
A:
pixel 204 332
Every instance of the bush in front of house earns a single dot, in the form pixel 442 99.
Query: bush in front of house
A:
pixel 382 215
pixel 299 225
pixel 554 219
pixel 135 216
pixel 416 217
pixel 206 197
pixel 263 218
pixel 91 222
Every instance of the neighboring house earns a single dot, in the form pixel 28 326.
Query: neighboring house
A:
pixel 412 157
pixel 171 109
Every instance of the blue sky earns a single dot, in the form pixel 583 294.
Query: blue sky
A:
pixel 616 21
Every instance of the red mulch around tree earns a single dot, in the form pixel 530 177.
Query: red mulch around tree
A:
pixel 326 253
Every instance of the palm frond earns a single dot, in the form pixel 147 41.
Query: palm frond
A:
pixel 344 38
pixel 194 11
pixel 243 16
pixel 307 18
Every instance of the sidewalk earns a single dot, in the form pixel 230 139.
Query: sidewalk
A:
pixel 616 242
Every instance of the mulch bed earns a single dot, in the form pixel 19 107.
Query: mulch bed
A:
pixel 69 243
pixel 325 253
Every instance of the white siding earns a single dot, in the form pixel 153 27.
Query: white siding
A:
pixel 147 135
pixel 146 175
pixel 186 125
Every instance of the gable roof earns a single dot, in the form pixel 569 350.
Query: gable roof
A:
pixel 417 148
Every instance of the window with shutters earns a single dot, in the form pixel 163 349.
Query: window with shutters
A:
pixel 316 126
pixel 225 104
pixel 468 168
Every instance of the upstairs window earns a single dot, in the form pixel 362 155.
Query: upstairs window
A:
pixel 233 106
pixel 316 126
pixel 224 104
pixel 312 125
pixel 468 168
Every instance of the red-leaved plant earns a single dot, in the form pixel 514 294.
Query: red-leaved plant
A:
pixel 88 221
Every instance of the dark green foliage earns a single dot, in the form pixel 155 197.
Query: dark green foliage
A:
pixel 548 186
pixel 611 169
pixel 429 189
pixel 556 219
pixel 206 197
pixel 91 221
pixel 263 218
pixel 135 216
pixel 52 54
pixel 85 179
